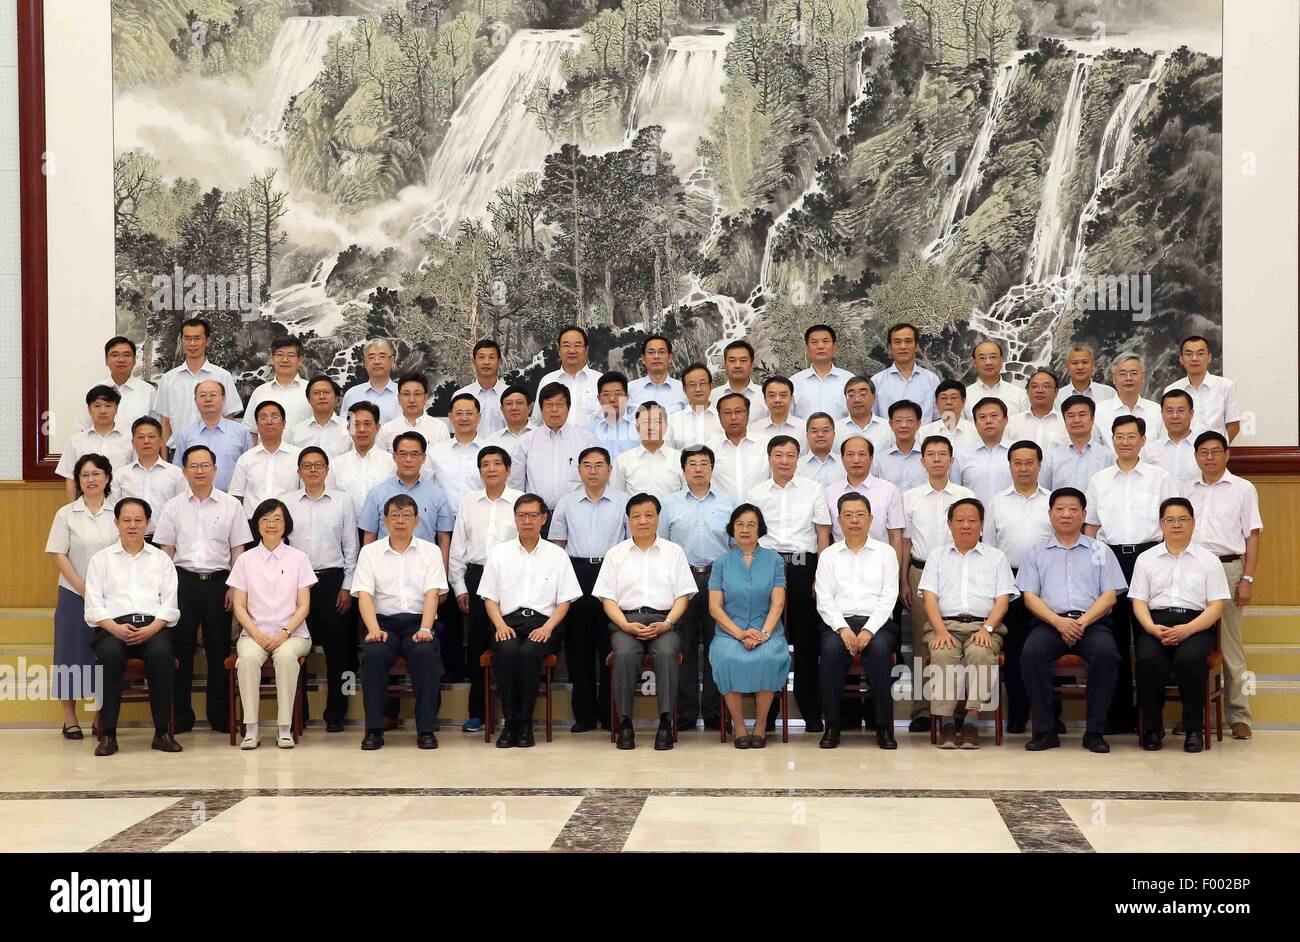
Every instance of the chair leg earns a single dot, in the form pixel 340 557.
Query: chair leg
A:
pixel 1205 714
pixel 785 713
pixel 489 721
pixel 297 714
pixel 722 718
pixel 1218 706
pixel 549 710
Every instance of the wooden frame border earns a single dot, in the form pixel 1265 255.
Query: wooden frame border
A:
pixel 38 462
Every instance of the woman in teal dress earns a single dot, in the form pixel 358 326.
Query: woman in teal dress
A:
pixel 749 653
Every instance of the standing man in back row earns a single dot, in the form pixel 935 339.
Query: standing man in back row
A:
pixel 380 359
pixel 988 360
pixel 657 385
pixel 1214 397
pixel 820 388
pixel 487 387
pixel 738 361
pixel 905 378
pixel 577 378
pixel 175 405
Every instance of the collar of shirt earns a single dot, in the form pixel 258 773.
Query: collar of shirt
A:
pixel 262 554
pixel 204 367
pixel 414 545
pixel 79 507
pixel 604 496
pixel 1084 540
pixel 191 497
pixel 299 496
pixel 1039 491
pixel 917 370
pixel 951 549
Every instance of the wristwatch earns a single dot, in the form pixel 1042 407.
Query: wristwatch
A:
pixel 669 623
pixel 1250 579
pixel 990 629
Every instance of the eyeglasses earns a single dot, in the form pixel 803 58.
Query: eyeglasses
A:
pixel 204 466
pixel 402 515
pixel 312 466
pixel 528 516
pixel 1211 452
pixel 1173 520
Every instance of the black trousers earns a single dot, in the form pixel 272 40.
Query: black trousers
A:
pixel 159 668
pixel 1186 660
pixel 479 639
pixel 877 663
pixel 804 628
pixel 334 631
pixel 202 603
pixel 1017 622
pixel 517 664
pixel 1123 713
pixel 586 645
pixel 452 638
pixel 697 626
pixel 423 662
pixel 1097 648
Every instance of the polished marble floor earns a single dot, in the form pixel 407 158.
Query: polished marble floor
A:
pixel 579 793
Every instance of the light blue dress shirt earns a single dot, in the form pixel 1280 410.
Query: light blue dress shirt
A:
pixel 1070 579
pixel 435 512
pixel 228 439
pixel 668 394
pixel 812 393
pixel 386 400
pixel 985 470
pixel 698 525
pixel 615 439
pixel 589 528
pixel 1065 466
pixel 918 388
pixel 903 471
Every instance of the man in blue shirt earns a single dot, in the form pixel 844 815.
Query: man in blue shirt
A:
pixel 1070 584
pixel 613 429
pixel 436 518
pixel 657 385
pixel 379 388
pixel 905 378
pixel 227 439
pixel 695 518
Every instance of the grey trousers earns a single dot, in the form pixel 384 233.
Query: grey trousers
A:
pixel 625 673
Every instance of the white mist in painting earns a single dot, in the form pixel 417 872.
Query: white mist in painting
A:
pixel 295 61
pixel 681 93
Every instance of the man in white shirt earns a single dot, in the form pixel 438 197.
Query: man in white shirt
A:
pixel 551 451
pixel 950 404
pixel 651 467
pixel 1042 422
pixel 147 476
pixel 738 362
pixel 131 607
pixel 575 376
pixel 860 403
pixel 105 437
pixel 516 408
pixel 798 527
pixel 1080 365
pixel 821 386
pixel 174 402
pixel 1129 376
pixel 269 468
pixel 285 386
pixel 487 386
pixel 1178 592
pixel 486 519
pixel 413 397
pixel 857 586
pixel 1229 525
pixel 657 385
pixel 454 461
pixel 1015 521
pixel 925 511
pixel 985 469
pixel 644 586
pixel 398 584
pixel 988 359
pixel 1215 397
pixel 905 378
pixel 741 456
pixel 697 422
pixel 325 528
pixel 527 587
pixel 778 396
pixel 137 395
pixel 380 358
pixel 1072 463
pixel 203 529
pixel 358 471
pixel 1124 512
pixel 324 427
pixel 821 463
pixel 966 589
pixel 1174 450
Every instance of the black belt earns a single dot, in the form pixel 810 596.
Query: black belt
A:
pixel 702 570
pixel 525 613
pixel 589 560
pixel 860 619
pixel 469 566
pixel 1131 549
pixel 1176 611
pixel 643 610
pixel 328 571
pixel 204 576
pixel 133 619
pixel 918 563
pixel 1071 614
pixel 964 619
pixel 1230 559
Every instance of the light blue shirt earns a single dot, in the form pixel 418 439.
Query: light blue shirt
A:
pixel 1070 580
pixel 228 439
pixel 985 470
pixel 1065 466
pixel 668 394
pixel 435 512
pixel 904 471
pixel 698 525
pixel 918 388
pixel 813 393
pixel 385 399
pixel 174 398
pixel 590 528
pixel 615 439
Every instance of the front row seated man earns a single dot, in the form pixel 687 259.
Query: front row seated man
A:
pixel 399 583
pixel 527 586
pixel 644 585
pixel 967 588
pixel 1178 593
pixel 1070 583
pixel 131 605
pixel 856 588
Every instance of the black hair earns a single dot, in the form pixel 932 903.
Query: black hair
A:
pixel 746 509
pixel 270 506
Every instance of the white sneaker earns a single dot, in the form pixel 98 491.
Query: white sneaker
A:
pixel 251 738
pixel 284 738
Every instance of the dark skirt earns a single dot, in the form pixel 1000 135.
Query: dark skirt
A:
pixel 74 661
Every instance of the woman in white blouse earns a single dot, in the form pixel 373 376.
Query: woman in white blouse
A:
pixel 80 530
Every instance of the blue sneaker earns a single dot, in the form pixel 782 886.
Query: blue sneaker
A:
pixel 472 726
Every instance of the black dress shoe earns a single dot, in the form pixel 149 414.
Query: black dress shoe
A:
pixel 1016 728
pixel 1195 741
pixel 1151 741
pixel 664 736
pixel 333 727
pixel 427 741
pixel 524 736
pixel 830 738
pixel 374 740
pixel 73 732
pixel 1095 742
pixel 1060 726
pixel 757 742
pixel 813 726
pixel 885 738
pixel 507 739
pixel 626 736
pixel 106 746
pixel 919 724
pixel 1040 741
pixel 582 727
pixel 165 743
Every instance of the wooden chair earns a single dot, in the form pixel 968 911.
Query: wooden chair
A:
pixel 997 710
pixel 647 663
pixel 266 690
pixel 135 689
pixel 490 687
pixel 1216 689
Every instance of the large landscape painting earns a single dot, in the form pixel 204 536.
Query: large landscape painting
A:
pixel 435 171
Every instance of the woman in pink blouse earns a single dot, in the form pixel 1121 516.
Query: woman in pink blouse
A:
pixel 271 584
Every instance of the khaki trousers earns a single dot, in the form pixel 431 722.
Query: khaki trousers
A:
pixel 248 667
pixel 1233 649
pixel 965 653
